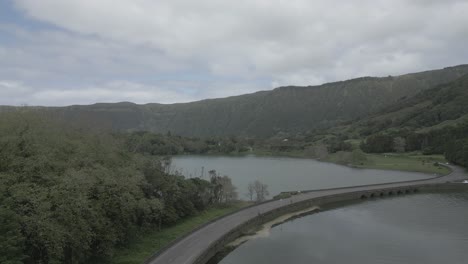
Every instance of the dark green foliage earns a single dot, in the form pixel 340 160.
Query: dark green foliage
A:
pixel 434 108
pixel 158 144
pixel 431 122
pixel 335 145
pixel 68 196
pixel 11 239
pixel 457 152
pixel 413 142
pixel 378 143
pixel 451 141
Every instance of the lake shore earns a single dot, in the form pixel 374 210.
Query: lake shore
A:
pixel 412 162
pixel 147 243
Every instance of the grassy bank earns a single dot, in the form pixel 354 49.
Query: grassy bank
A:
pixel 292 154
pixel 151 241
pixel 414 162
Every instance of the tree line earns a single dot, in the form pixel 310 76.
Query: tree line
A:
pixel 168 144
pixel 452 141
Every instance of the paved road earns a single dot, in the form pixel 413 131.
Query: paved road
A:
pixel 189 248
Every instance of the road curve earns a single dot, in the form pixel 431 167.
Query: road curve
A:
pixel 188 249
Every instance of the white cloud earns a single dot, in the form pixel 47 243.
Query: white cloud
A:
pixel 115 91
pixel 13 92
pixel 16 93
pixel 295 42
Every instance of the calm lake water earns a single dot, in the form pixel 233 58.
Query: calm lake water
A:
pixel 285 174
pixel 420 228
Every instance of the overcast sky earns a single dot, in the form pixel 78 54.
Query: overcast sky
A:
pixel 62 52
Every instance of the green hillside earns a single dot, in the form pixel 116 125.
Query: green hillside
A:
pixel 289 109
pixel 434 121
pixel 442 106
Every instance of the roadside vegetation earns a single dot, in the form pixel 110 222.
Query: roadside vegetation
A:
pixel 150 241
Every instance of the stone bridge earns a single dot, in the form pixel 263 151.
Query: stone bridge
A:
pixel 203 243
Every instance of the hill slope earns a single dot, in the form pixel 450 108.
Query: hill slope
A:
pixel 285 109
pixel 433 122
pixel 442 106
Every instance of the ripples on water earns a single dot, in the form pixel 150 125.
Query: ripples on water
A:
pixel 421 228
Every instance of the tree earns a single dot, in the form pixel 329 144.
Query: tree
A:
pixel 399 144
pixel 202 196
pixel 261 191
pixel 228 190
pixel 413 142
pixel 358 157
pixel 336 144
pixel 320 151
pixel 11 240
pixel 223 191
pixel 216 186
pixel 251 190
pixel 378 143
pixel 343 157
pixel 78 194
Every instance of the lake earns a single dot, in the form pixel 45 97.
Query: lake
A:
pixel 285 174
pixel 421 228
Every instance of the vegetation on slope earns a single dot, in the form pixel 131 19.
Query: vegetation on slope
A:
pixel 437 128
pixel 289 109
pixel 431 122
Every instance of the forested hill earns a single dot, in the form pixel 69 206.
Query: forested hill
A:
pixel 434 121
pixel 442 106
pixel 266 113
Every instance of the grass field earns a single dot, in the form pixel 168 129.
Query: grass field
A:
pixel 406 162
pixel 148 243
pixel 413 161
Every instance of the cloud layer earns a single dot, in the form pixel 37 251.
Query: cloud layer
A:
pixel 171 51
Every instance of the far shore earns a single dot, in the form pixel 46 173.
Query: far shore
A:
pixel 411 162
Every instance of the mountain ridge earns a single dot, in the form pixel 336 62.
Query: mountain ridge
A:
pixel 286 109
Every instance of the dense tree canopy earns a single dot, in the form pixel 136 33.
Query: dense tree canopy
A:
pixel 452 141
pixel 69 196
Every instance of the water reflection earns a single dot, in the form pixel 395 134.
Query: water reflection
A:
pixel 422 228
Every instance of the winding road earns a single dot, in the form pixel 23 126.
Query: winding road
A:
pixel 188 249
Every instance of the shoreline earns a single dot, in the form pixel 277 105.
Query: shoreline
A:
pixel 264 230
pixel 412 159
